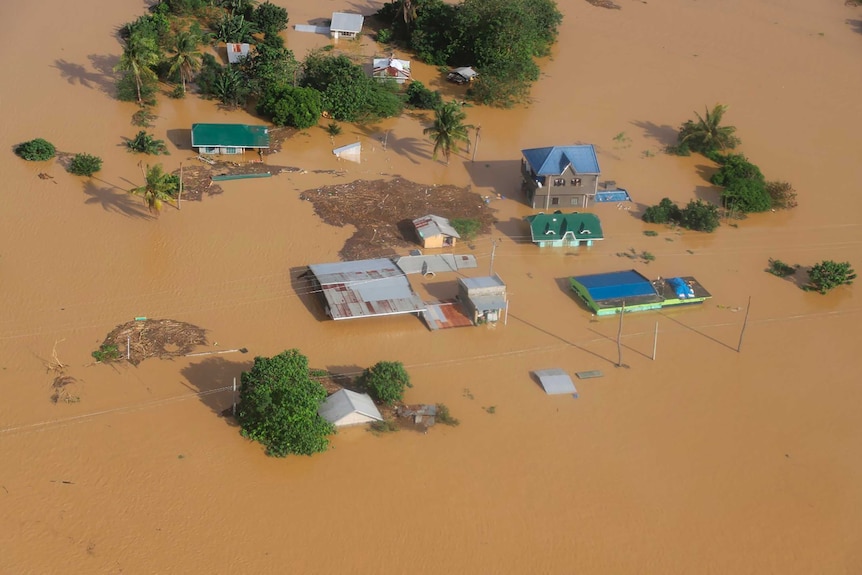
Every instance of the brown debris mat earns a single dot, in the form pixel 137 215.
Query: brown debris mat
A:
pixel 197 179
pixel 162 338
pixel 605 4
pixel 382 212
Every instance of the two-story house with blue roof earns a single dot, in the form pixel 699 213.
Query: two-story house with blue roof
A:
pixel 560 176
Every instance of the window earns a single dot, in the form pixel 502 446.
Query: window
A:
pixel 560 182
pixel 576 181
pixel 576 201
pixel 233 150
pixel 555 201
pixel 210 150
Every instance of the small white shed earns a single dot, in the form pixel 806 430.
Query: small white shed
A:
pixel 236 52
pixel 346 25
pixel 345 407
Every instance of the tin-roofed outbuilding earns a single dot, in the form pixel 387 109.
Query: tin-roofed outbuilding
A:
pixel 556 382
pixel 364 288
pixel 344 408
pixel 435 232
pixel 484 298
pixel 346 25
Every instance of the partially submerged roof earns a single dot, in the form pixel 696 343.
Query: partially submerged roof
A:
pixel 556 382
pixel 435 263
pixel 616 285
pixel 482 282
pixel 345 402
pixel 346 22
pixel 465 72
pixel 229 135
pixel 547 227
pixel 391 68
pixel 236 52
pixel 431 226
pixel 365 288
pixel 554 160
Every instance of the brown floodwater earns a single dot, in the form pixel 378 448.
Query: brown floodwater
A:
pixel 705 460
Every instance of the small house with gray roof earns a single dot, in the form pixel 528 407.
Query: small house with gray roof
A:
pixel 346 25
pixel 345 408
pixel 562 230
pixel 484 299
pixel 560 176
pixel 435 232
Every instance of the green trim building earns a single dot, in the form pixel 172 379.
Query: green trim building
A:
pixel 228 138
pixel 558 229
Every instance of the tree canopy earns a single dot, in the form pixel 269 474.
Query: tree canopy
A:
pixel 448 129
pixel 706 135
pixel 828 275
pixel 37 150
pixel 744 185
pixel 286 105
pixel 278 406
pixel 386 381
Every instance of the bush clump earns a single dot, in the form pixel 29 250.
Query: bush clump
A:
pixel 37 150
pixel 697 215
pixel 467 228
pixel 781 269
pixel 828 275
pixel 144 143
pixel 106 353
pixel 444 417
pixel 386 381
pixel 743 183
pixel 418 96
pixel 85 165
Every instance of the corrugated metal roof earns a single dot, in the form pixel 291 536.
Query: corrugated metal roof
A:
pixel 488 302
pixel 236 52
pixel 344 402
pixel 436 263
pixel 616 285
pixel 465 72
pixel 391 68
pixel 430 226
pixel 554 160
pixel 482 282
pixel 229 135
pixel 346 22
pixel 556 382
pixel 547 227
pixel 365 288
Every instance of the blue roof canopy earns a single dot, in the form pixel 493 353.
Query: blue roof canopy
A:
pixel 616 285
pixel 554 160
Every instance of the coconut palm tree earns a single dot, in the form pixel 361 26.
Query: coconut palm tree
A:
pixel 185 58
pixel 408 11
pixel 160 188
pixel 140 54
pixel 707 135
pixel 448 129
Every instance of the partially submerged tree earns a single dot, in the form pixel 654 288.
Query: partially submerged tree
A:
pixel 448 130
pixel 744 185
pixel 828 275
pixel 386 381
pixel 278 406
pixel 159 188
pixel 145 143
pixel 140 54
pixel 85 165
pixel 706 135
pixel 185 57
pixel 270 19
pixel 697 215
pixel 286 105
pixel 37 150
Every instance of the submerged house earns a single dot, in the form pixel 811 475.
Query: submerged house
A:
pixel 484 299
pixel 391 69
pixel 463 75
pixel 229 138
pixel 560 176
pixel 236 52
pixel 345 408
pixel 435 232
pixel 629 290
pixel 559 229
pixel 346 25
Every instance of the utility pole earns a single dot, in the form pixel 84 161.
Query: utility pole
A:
pixel 180 193
pixel 655 341
pixel 744 323
pixel 493 252
pixel 476 144
pixel 233 410
pixel 620 335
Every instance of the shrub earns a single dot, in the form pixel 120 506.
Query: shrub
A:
pixel 744 184
pixel 444 417
pixel 781 269
pixel 700 216
pixel 85 165
pixel 828 275
pixel 386 381
pixel 665 212
pixel 37 150
pixel 143 118
pixel 106 353
pixel 270 19
pixel 127 89
pixel 333 129
pixel 385 426
pixel 421 97
pixel 782 194
pixel 466 228
pixel 384 36
pixel 650 233
pixel 287 105
pixel 144 143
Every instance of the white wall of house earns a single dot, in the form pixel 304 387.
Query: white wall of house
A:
pixel 354 418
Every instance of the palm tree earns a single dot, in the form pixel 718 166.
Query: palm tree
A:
pixel 140 54
pixel 185 58
pixel 448 129
pixel 707 135
pixel 160 187
pixel 408 11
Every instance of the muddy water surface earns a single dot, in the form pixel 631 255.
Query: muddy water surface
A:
pixel 704 460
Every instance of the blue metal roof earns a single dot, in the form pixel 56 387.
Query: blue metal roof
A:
pixel 554 160
pixel 616 285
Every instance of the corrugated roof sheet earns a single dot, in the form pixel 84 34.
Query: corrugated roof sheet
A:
pixel 556 382
pixel 554 160
pixel 346 22
pixel 435 263
pixel 229 135
pixel 482 282
pixel 365 288
pixel 344 402
pixel 430 226
pixel 488 302
pixel 616 285
pixel 546 227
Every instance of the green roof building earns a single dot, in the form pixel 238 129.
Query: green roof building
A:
pixel 559 229
pixel 228 138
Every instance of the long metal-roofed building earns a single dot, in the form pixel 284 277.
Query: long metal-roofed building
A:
pixel 228 138
pixel 364 288
pixel 608 293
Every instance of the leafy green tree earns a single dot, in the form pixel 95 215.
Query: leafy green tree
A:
pixel 234 28
pixel 386 381
pixel 144 143
pixel 37 150
pixel 279 403
pixel 706 135
pixel 270 19
pixel 230 87
pixel 421 97
pixel 700 216
pixel 140 54
pixel 159 188
pixel 744 184
pixel 85 164
pixel 269 65
pixel 665 212
pixel 185 57
pixel 828 275
pixel 286 105
pixel 448 129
